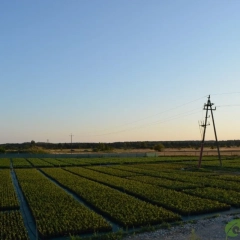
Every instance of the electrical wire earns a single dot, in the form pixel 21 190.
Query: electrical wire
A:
pixel 149 124
pixel 139 120
pixel 229 93
pixel 165 120
pixel 230 105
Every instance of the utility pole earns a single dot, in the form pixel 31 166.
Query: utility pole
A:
pixel 208 106
pixel 71 142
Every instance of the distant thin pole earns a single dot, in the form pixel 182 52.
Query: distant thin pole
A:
pixel 71 142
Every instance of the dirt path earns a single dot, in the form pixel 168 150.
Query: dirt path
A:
pixel 206 229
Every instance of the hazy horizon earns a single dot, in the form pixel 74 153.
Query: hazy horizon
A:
pixel 190 140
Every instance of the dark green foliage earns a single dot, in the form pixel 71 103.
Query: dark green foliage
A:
pixel 159 147
pixel 118 145
pixel 2 150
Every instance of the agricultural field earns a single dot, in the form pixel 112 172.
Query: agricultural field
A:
pixel 37 162
pixel 5 163
pixel 55 212
pixel 12 226
pixel 21 163
pixel 121 207
pixel 56 162
pixel 74 197
pixel 8 198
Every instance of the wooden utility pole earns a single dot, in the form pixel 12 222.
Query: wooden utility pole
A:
pixel 208 106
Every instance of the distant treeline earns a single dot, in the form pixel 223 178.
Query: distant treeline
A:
pixel 118 145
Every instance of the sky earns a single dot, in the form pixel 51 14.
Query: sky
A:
pixel 109 71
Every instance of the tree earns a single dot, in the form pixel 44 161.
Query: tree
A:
pixel 159 147
pixel 144 145
pixel 60 146
pixel 2 149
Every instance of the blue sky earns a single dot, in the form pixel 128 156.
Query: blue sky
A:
pixel 123 70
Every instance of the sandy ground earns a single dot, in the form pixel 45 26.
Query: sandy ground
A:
pixel 205 229
pixel 167 152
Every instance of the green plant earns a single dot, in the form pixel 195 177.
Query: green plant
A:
pixel 193 235
pixel 166 225
pixel 12 226
pixel 2 149
pixel 159 147
pixel 192 221
pixel 179 223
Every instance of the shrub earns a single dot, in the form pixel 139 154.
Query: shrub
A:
pixel 2 150
pixel 159 147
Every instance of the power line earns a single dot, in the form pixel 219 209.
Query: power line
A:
pixel 229 93
pixel 149 124
pixel 230 105
pixel 161 121
pixel 139 120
